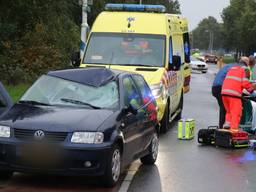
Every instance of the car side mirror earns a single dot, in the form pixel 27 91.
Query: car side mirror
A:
pixel 176 63
pixel 75 59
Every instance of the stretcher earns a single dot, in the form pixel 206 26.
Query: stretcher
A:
pixel 228 138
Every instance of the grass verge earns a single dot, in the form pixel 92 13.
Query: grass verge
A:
pixel 16 91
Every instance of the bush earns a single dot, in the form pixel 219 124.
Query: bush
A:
pixel 229 59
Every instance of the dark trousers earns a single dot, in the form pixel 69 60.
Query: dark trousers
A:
pixel 216 92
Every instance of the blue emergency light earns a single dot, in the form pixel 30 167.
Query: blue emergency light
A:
pixel 135 8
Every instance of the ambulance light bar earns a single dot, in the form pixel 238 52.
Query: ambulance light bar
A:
pixel 135 8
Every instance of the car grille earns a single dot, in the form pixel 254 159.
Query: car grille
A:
pixel 25 134
pixel 201 66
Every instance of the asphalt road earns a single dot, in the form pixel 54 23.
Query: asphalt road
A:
pixel 182 166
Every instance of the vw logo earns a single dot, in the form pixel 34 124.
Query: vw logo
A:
pixel 39 135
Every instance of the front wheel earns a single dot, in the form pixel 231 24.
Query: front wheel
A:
pixel 150 159
pixel 113 169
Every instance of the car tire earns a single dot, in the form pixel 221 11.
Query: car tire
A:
pixel 165 120
pixel 113 168
pixel 150 159
pixel 5 175
pixel 179 115
pixel 204 71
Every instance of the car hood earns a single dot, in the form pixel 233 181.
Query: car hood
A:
pixel 63 119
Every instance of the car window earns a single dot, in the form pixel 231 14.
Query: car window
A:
pixel 131 95
pixel 142 86
pixel 148 100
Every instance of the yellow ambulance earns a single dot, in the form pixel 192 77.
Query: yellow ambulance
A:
pixel 146 40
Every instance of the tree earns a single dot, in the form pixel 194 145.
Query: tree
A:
pixel 240 26
pixel 201 35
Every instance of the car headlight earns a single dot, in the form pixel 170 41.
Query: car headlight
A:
pixel 5 131
pixel 157 90
pixel 87 137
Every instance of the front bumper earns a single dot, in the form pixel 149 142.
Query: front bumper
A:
pixel 70 159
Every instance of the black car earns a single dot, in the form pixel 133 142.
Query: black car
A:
pixel 90 122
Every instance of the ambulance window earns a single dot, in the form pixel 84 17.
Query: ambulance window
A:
pixel 186 47
pixel 170 50
pixel 126 49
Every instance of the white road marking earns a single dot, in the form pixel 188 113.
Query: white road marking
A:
pixel 129 177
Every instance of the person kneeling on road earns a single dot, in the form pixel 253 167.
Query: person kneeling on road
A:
pixel 236 80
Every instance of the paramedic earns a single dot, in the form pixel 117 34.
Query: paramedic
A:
pixel 216 91
pixel 235 81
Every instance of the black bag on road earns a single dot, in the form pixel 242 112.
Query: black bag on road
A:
pixel 207 136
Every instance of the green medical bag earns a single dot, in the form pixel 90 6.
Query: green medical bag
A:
pixel 186 129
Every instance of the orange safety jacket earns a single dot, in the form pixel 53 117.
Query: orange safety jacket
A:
pixel 235 81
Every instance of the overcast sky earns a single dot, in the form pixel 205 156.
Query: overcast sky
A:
pixel 196 10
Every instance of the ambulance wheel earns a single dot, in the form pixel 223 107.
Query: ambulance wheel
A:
pixel 165 121
pixel 179 115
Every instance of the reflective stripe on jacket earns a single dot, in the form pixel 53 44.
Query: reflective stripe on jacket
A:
pixel 235 82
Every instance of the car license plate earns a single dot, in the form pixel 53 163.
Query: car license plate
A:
pixel 37 155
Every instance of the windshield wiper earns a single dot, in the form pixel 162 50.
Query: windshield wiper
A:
pixel 33 102
pixel 79 103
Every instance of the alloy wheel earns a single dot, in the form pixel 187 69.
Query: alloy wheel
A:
pixel 116 164
pixel 154 146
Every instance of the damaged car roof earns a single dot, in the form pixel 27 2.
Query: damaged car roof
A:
pixel 95 77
